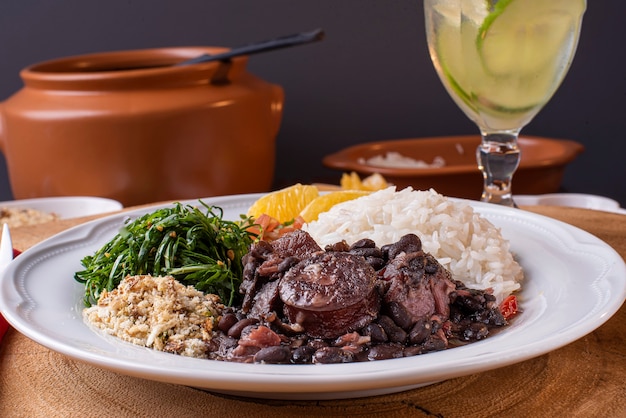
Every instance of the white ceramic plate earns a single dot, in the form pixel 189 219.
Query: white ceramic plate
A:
pixel 575 283
pixel 576 200
pixel 66 207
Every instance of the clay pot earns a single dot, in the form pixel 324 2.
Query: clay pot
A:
pixel 125 125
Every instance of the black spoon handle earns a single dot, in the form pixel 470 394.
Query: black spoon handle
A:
pixel 281 42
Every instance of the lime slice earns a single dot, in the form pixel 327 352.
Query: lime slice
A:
pixel 452 10
pixel 456 55
pixel 525 36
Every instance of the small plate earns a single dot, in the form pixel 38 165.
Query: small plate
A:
pixel 575 200
pixel 67 207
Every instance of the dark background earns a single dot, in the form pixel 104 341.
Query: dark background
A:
pixel 371 78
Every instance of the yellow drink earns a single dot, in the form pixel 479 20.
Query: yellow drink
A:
pixel 501 61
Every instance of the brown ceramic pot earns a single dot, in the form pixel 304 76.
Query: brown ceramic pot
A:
pixel 124 126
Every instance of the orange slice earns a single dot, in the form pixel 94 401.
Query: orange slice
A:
pixel 284 204
pixel 373 182
pixel 324 202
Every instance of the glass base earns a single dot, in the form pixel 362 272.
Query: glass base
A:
pixel 498 157
pixel 498 196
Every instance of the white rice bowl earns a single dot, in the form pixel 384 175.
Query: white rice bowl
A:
pixel 465 243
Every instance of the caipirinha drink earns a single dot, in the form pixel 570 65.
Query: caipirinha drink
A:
pixel 502 60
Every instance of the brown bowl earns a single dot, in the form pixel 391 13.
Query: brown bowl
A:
pixel 540 171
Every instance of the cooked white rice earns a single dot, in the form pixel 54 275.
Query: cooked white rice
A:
pixel 468 245
pixel 396 160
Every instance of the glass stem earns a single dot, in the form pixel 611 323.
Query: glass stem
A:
pixel 498 157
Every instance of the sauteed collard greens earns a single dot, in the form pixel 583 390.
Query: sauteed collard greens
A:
pixel 197 248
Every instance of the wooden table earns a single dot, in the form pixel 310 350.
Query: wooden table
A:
pixel 584 379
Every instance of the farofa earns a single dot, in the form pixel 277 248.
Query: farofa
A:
pixel 160 313
pixel 15 217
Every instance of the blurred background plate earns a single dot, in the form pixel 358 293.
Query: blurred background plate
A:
pixel 575 200
pixel 66 207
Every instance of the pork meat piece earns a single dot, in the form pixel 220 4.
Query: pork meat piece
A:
pixel 416 281
pixel 266 262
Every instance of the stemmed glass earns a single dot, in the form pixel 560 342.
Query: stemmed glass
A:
pixel 501 61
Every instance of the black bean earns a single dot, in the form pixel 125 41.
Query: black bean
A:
pixel 303 355
pixel 456 314
pixel 385 351
pixel 376 333
pixel 432 266
pixel 394 332
pixel 363 243
pixel 436 323
pixel 376 262
pixel 367 249
pixel 295 342
pixel 318 343
pixel 277 354
pixel 398 335
pixel 227 321
pixel 400 315
pixel 412 350
pixel 409 243
pixel 434 344
pixel 331 355
pixel 469 302
pixel 481 331
pixel 385 250
pixel 420 331
pixel 338 247
pixel 235 330
pixel 476 331
pixel 496 318
pixel 367 252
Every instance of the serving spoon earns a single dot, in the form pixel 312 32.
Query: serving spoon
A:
pixel 255 48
